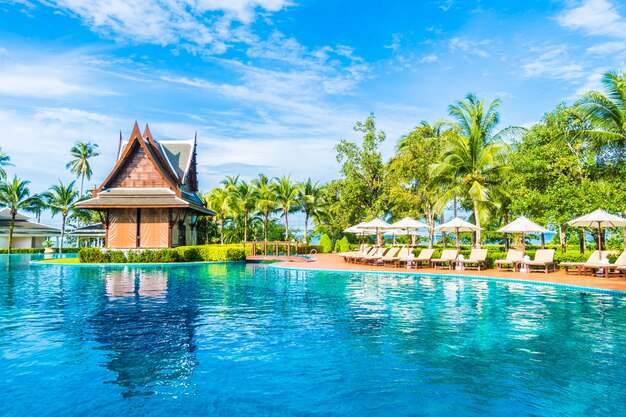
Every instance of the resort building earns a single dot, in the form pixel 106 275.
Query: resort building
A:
pixel 150 198
pixel 26 233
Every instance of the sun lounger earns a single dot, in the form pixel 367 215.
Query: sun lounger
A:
pixel 606 268
pixel 477 258
pixel 423 259
pixel 513 258
pixel 622 270
pixel 578 267
pixel 404 252
pixel 388 256
pixel 448 256
pixel 544 261
pixel 353 256
pixel 372 256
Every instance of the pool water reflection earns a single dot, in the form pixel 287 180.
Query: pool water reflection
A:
pixel 219 339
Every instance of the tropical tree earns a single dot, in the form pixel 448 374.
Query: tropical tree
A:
pixel 266 203
pixel 362 171
pixel 218 201
pixel 472 164
pixel 81 153
pixel 310 200
pixel 4 162
pixel 286 195
pixel 606 114
pixel 244 200
pixel 37 206
pixel 60 199
pixel 14 195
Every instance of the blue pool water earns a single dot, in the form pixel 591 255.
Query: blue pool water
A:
pixel 224 340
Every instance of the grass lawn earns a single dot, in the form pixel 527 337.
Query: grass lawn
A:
pixel 60 261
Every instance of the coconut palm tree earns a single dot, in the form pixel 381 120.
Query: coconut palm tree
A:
pixel 243 198
pixel 310 200
pixel 473 162
pixel 82 152
pixel 218 201
pixel 5 160
pixel 286 195
pixel 265 200
pixel 61 198
pixel 37 206
pixel 606 113
pixel 15 195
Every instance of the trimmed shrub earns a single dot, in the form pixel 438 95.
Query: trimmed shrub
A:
pixel 326 244
pixel 344 245
pixel 306 249
pixel 337 247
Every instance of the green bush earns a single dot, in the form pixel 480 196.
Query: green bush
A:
pixel 344 245
pixel 306 249
pixel 220 253
pixel 326 244
pixel 337 247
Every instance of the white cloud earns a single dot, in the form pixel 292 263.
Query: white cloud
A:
pixel 595 17
pixel 607 48
pixel 202 25
pixel 429 58
pixel 469 47
pixel 553 62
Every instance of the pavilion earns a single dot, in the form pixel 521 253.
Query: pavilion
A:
pixel 150 198
pixel 26 233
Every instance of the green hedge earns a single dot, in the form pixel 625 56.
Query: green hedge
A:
pixel 34 251
pixel 213 253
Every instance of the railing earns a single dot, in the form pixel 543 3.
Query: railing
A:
pixel 275 246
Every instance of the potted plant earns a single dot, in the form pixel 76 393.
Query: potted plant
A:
pixel 47 244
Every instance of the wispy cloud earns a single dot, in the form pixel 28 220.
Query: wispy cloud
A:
pixel 470 47
pixel 199 26
pixel 426 59
pixel 552 62
pixel 595 17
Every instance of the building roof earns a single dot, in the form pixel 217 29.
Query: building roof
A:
pixel 24 227
pixel 91 230
pixel 142 198
pixel 174 160
pixel 5 214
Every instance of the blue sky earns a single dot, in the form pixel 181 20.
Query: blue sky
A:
pixel 272 85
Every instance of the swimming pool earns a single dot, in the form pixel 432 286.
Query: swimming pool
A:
pixel 219 339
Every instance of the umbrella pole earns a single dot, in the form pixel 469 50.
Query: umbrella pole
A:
pixel 600 239
pixel 543 241
pixel 458 242
pixel 523 243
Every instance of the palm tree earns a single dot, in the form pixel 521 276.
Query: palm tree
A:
pixel 286 195
pixel 473 162
pixel 218 201
pixel 61 199
pixel 82 152
pixel 310 200
pixel 4 162
pixel 265 200
pixel 14 195
pixel 244 199
pixel 37 206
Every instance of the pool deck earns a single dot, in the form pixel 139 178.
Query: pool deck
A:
pixel 336 262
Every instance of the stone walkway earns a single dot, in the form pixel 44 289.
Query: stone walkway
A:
pixel 336 262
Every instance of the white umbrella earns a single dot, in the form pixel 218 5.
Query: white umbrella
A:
pixel 457 225
pixel 376 224
pixel 523 225
pixel 599 219
pixel 356 229
pixel 409 225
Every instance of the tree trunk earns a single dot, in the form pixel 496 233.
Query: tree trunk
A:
pixel 82 181
pixel 431 230
pixel 222 230
pixel 208 225
pixel 477 219
pixel 581 241
pixel 266 224
pixel 454 206
pixel 286 225
pixel 245 226
pixel 62 233
pixel 506 236
pixel 562 239
pixel 306 228
pixel 443 234
pixel 11 232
